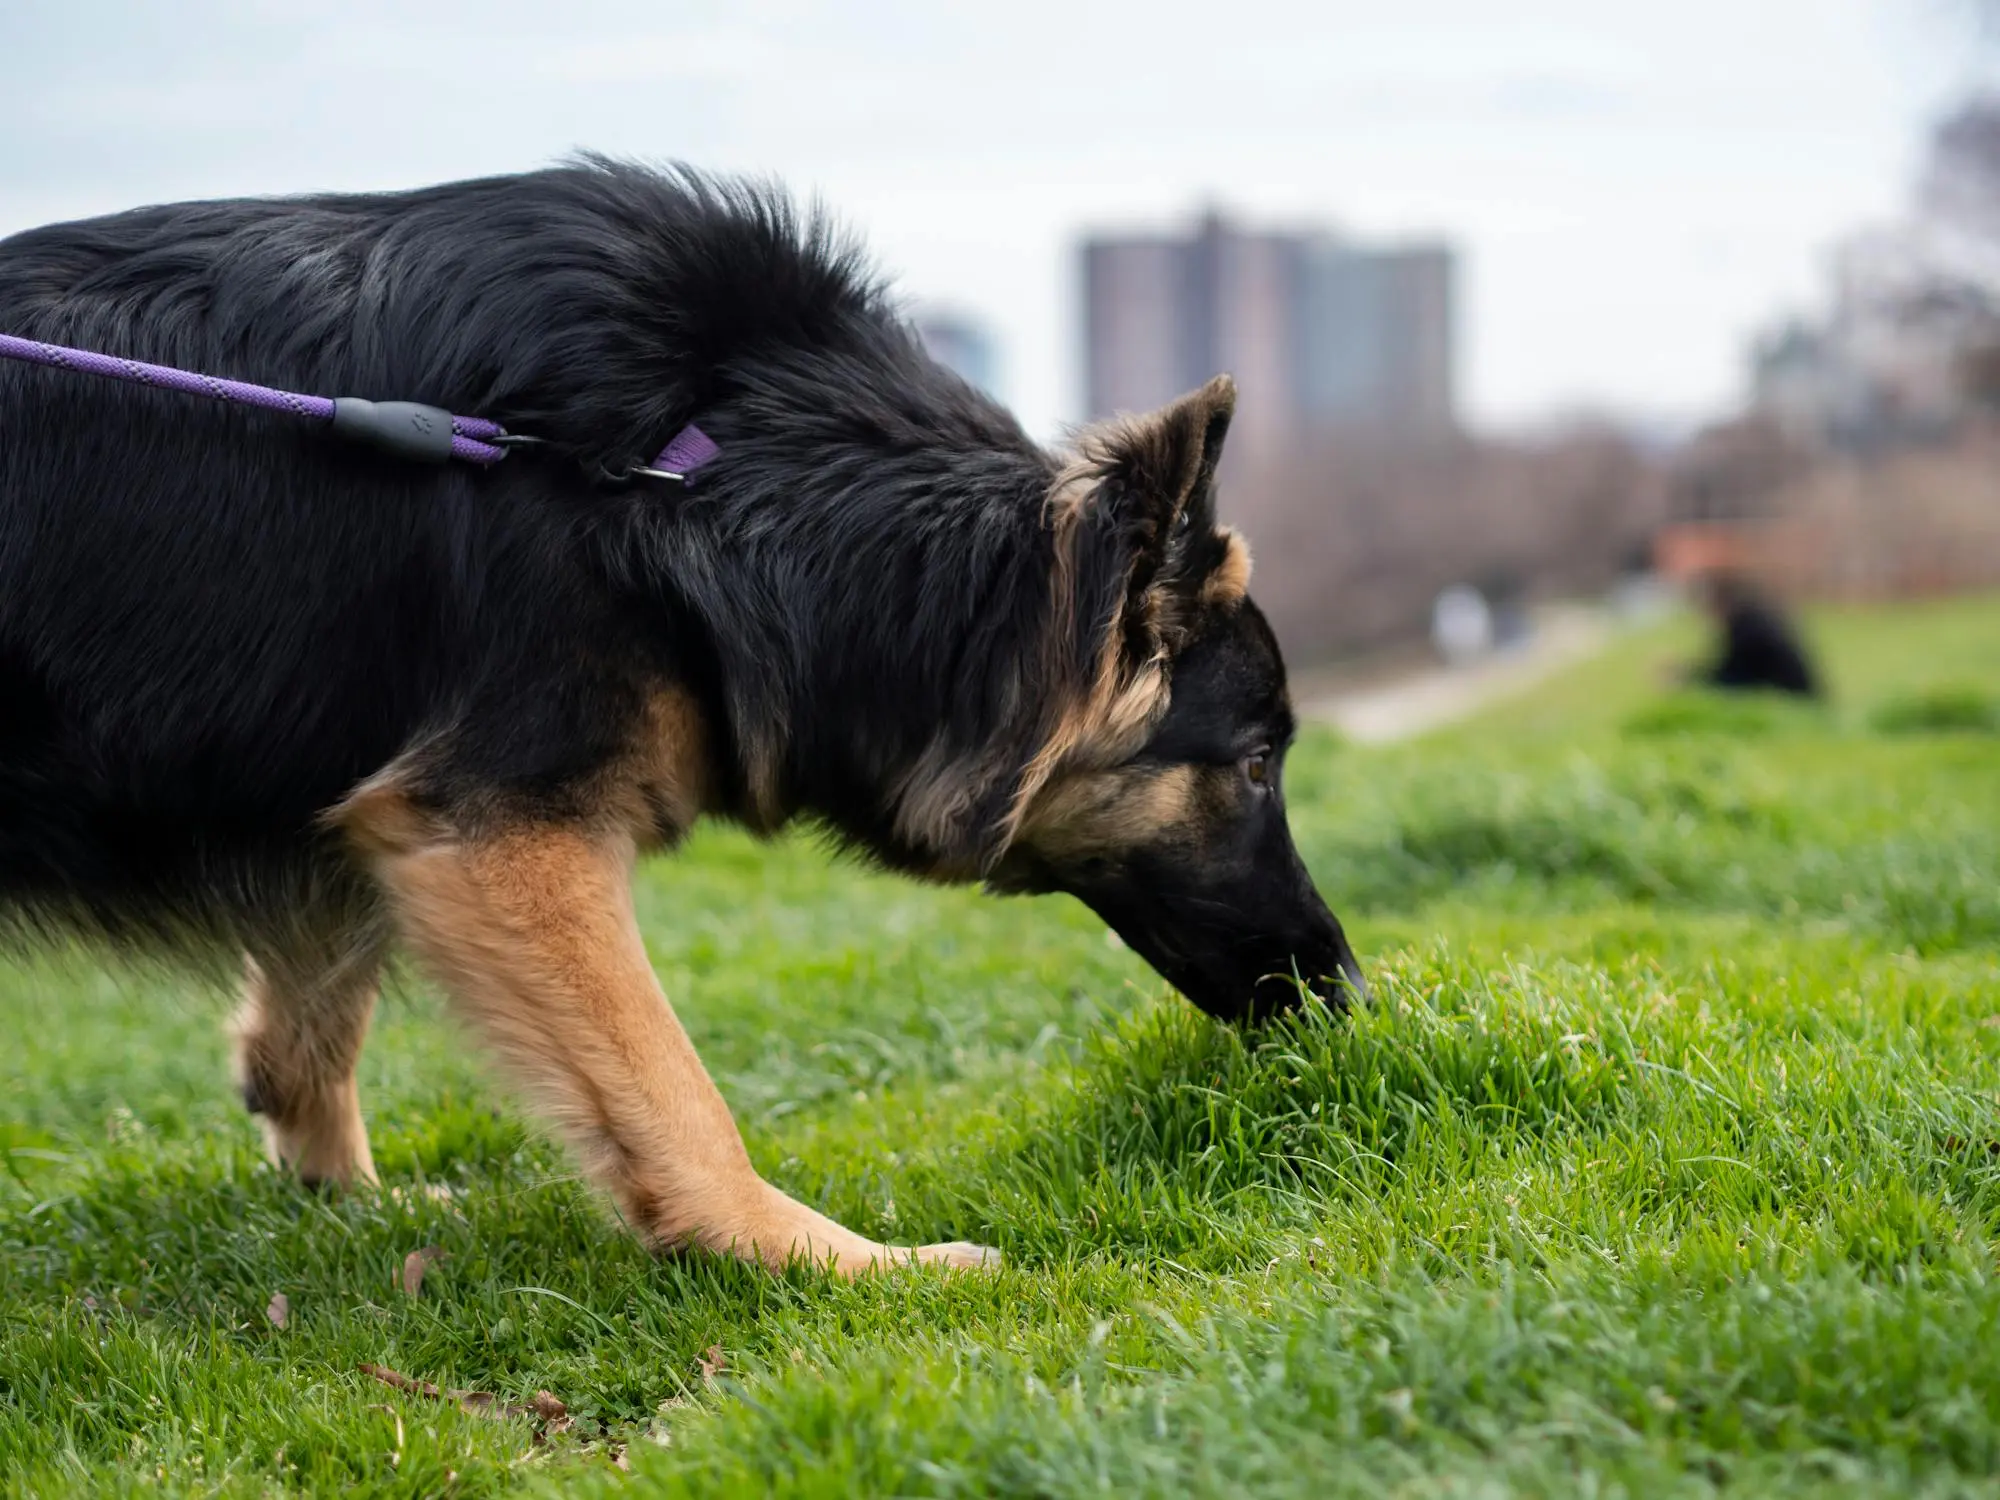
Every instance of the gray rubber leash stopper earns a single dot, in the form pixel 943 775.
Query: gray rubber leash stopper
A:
pixel 404 428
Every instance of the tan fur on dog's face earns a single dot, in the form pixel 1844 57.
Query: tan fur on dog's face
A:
pixel 1097 814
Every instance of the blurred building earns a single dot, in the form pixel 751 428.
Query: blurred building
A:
pixel 1909 347
pixel 1322 334
pixel 1347 467
pixel 1866 463
pixel 962 344
pixel 1891 361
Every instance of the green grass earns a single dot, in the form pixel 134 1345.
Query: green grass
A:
pixel 1952 707
pixel 1667 1162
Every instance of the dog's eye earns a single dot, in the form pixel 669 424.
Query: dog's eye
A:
pixel 1258 768
pixel 1182 521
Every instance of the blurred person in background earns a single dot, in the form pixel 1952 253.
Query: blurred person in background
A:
pixel 1758 648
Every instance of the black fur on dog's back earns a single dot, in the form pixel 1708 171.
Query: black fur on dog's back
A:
pixel 214 623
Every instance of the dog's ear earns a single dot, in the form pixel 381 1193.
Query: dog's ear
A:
pixel 1159 470
pixel 1153 505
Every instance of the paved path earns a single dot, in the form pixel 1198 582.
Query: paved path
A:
pixel 1434 696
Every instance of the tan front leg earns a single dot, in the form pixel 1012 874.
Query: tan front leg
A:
pixel 298 1037
pixel 533 935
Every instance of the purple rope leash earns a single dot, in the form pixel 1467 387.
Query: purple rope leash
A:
pixel 469 435
pixel 401 427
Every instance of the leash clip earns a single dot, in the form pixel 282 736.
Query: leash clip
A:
pixel 638 471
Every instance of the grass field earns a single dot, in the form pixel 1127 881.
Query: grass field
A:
pixel 1667 1162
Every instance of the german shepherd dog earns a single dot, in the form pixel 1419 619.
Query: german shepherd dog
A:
pixel 266 694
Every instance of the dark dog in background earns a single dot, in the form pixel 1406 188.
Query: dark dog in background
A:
pixel 264 693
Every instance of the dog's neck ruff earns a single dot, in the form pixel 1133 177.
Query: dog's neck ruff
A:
pixel 407 429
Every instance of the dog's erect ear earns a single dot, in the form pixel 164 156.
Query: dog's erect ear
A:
pixel 1152 506
pixel 1159 469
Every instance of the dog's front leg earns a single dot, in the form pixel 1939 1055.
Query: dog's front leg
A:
pixel 532 933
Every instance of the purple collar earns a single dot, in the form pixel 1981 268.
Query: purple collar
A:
pixel 690 449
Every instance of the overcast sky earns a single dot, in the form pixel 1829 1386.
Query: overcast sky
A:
pixel 1635 187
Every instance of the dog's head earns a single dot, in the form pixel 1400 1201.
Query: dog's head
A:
pixel 1157 797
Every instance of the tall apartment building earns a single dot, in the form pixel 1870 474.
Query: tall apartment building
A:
pixel 1320 333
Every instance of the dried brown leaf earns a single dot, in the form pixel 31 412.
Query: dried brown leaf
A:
pixel 548 1411
pixel 278 1309
pixel 713 1363
pixel 400 1381
pixel 414 1266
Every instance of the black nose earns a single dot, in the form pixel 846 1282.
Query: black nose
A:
pixel 1325 966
